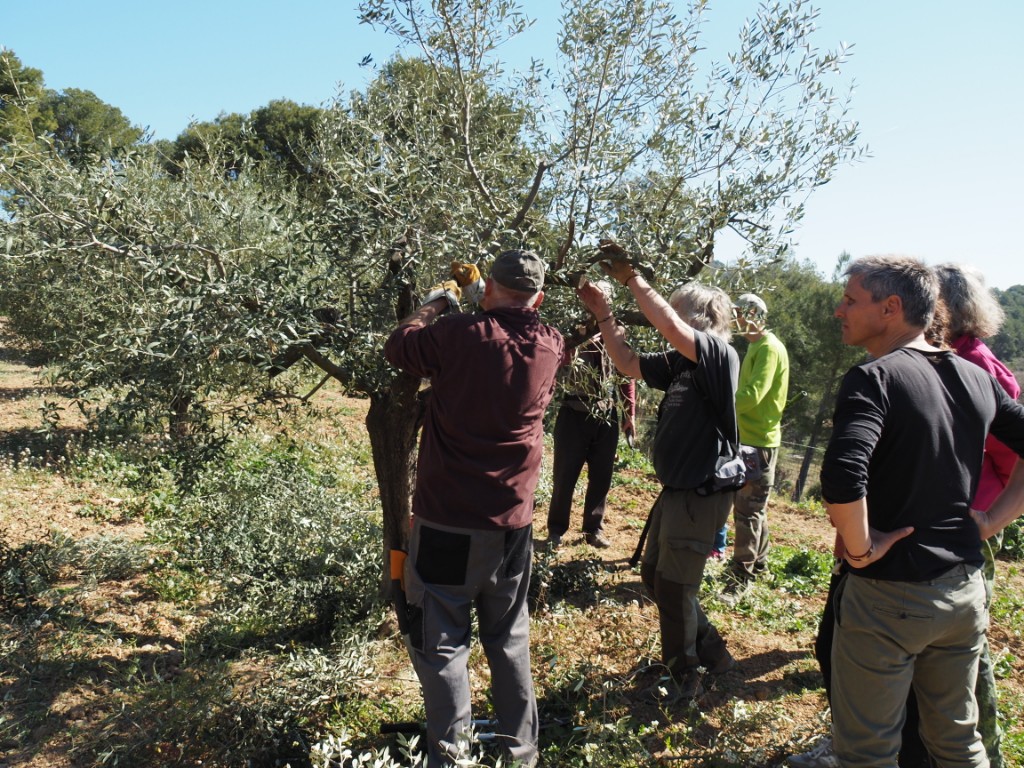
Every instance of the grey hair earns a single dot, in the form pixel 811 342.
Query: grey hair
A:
pixel 911 279
pixel 973 308
pixel 704 307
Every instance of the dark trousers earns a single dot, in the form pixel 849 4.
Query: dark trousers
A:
pixel 580 439
pixel 683 526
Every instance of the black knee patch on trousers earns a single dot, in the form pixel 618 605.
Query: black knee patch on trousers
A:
pixel 414 615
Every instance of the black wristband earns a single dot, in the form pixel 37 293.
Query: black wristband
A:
pixel 865 556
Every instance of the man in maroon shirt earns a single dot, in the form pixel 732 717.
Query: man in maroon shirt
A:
pixel 492 375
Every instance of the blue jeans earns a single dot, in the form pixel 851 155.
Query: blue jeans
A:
pixel 721 538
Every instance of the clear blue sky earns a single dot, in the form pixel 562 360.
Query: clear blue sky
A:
pixel 940 98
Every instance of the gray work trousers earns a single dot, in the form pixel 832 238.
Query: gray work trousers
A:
pixel 683 527
pixel 448 572
pixel 891 635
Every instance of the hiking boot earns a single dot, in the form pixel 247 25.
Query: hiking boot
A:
pixel 823 755
pixel 597 539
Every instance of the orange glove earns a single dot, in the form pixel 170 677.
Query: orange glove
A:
pixel 468 278
pixel 465 273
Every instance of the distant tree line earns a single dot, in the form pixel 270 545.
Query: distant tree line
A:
pixel 1008 344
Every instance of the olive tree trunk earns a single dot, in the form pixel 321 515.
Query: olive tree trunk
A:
pixel 393 422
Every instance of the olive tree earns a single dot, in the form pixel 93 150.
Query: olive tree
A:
pixel 159 301
pixel 633 132
pixel 450 155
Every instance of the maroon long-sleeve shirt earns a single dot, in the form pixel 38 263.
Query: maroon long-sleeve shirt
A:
pixel 492 376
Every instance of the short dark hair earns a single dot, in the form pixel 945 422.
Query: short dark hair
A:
pixel 911 279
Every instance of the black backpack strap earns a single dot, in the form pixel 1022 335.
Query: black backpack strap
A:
pixel 733 443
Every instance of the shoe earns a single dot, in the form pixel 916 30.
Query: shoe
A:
pixel 735 588
pixel 725 663
pixel 823 755
pixel 597 539
pixel 672 690
pixel 716 554
pixel 554 540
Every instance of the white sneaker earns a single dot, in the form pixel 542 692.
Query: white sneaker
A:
pixel 823 755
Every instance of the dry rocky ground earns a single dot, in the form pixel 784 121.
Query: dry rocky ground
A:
pixel 595 632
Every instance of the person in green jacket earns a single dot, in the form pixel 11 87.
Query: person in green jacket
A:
pixel 760 399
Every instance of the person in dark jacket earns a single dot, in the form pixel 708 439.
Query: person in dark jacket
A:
pixel 594 400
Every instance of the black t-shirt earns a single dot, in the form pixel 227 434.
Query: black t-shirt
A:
pixel 699 399
pixel 909 435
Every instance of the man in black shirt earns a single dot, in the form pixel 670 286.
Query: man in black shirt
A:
pixel 898 478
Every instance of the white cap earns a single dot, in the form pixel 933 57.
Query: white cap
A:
pixel 750 303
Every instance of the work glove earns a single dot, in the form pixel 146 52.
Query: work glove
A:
pixel 448 290
pixel 469 280
pixel 619 265
pixel 616 262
